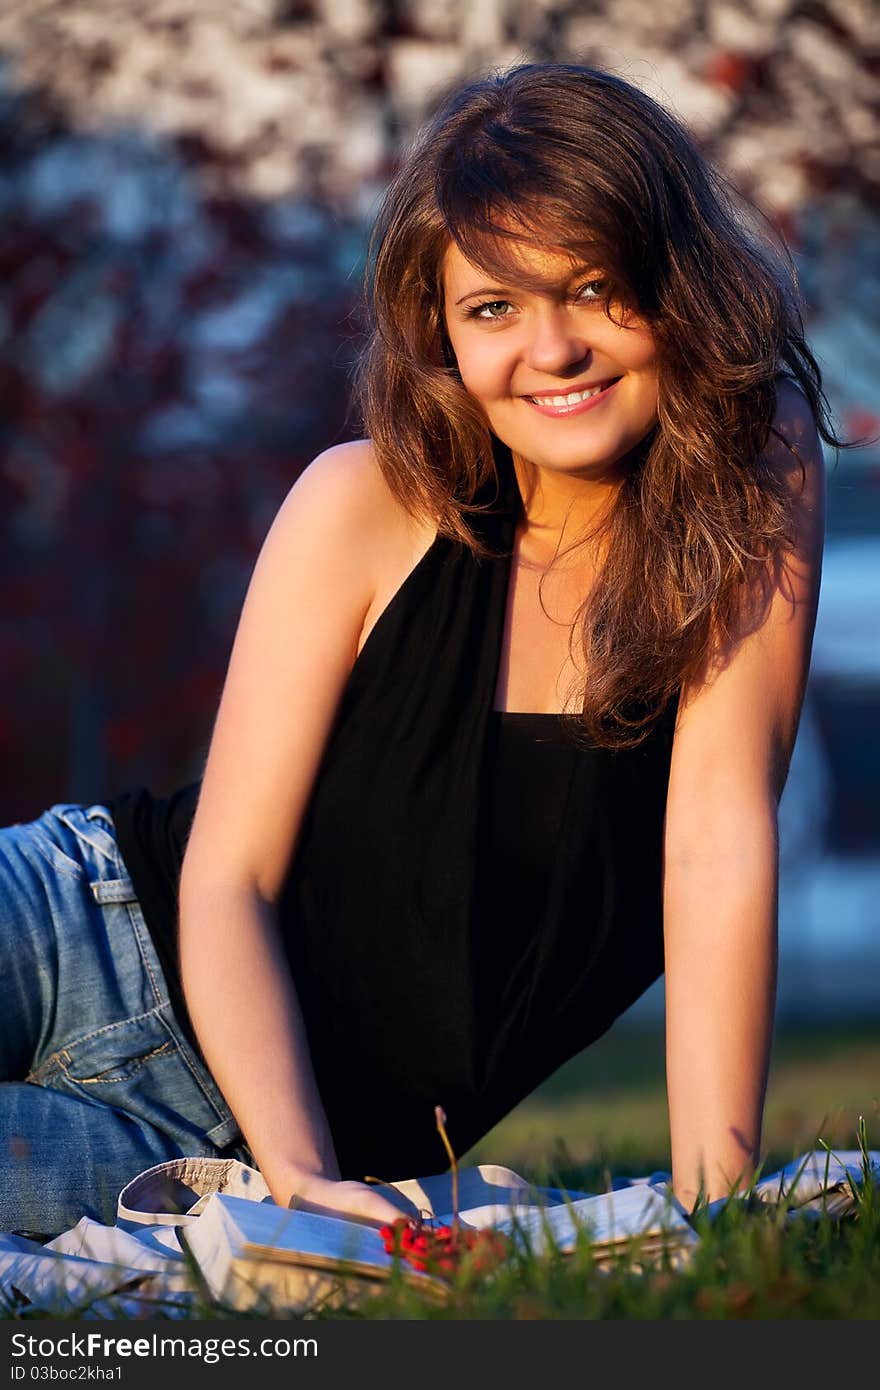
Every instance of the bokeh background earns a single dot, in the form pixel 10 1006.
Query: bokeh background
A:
pixel 185 195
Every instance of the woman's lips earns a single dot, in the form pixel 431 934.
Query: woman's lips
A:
pixel 578 408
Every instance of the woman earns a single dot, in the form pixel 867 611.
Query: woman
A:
pixel 507 718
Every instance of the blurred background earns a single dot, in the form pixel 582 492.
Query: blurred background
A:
pixel 186 190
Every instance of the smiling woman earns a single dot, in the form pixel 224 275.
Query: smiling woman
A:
pixel 507 717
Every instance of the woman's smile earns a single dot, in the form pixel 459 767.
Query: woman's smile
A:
pixel 567 387
pixel 573 402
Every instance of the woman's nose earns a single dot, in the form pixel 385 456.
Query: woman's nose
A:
pixel 556 341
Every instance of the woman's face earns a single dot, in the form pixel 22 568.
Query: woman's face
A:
pixel 527 355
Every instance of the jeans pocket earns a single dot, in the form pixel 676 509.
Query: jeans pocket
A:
pixel 137 1067
pixel 114 1055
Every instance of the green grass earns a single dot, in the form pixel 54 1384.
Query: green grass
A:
pixel 604 1113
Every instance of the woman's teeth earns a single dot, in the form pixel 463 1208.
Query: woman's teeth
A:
pixel 574 398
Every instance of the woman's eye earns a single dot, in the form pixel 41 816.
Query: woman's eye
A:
pixel 492 309
pixel 597 288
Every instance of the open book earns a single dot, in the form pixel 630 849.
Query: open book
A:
pixel 820 1181
pixel 259 1255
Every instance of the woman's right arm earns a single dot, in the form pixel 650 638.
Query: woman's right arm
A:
pixel 293 651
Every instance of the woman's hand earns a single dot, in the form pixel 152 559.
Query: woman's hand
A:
pixel 334 1197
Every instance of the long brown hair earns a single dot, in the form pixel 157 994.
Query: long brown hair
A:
pixel 575 158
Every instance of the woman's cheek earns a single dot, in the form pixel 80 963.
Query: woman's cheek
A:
pixel 644 349
pixel 479 377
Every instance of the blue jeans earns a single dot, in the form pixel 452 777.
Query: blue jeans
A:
pixel 97 1079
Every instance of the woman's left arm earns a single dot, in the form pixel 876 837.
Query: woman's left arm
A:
pixel 733 742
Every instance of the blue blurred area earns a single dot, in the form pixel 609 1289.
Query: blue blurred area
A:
pixel 184 206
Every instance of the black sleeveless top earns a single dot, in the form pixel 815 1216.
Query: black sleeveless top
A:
pixel 472 899
pixel 529 765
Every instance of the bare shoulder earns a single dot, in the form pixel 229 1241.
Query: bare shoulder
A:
pixel 793 418
pixel 344 492
pixel 794 448
pixel 352 465
pixel 388 539
pixel 345 484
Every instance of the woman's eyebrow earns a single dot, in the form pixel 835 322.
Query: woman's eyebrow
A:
pixel 484 289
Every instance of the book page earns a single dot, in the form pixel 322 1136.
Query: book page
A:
pixel 483 1186
pixel 811 1175
pixel 609 1218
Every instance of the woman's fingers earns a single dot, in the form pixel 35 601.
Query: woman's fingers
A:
pixel 355 1200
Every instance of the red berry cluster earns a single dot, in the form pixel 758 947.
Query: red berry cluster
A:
pixel 439 1249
